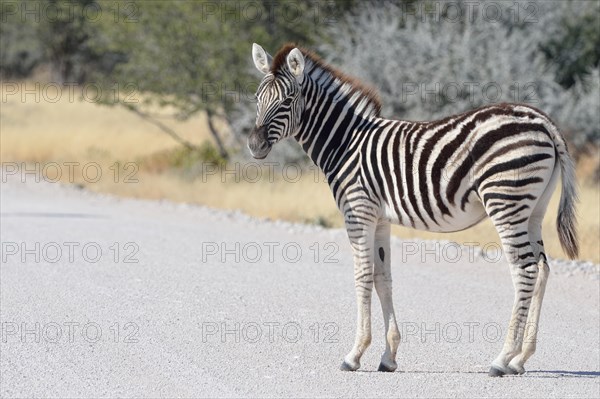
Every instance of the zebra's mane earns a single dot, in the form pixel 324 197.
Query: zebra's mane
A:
pixel 314 63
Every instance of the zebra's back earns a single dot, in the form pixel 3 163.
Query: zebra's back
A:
pixel 447 175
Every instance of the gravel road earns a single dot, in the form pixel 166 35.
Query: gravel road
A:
pixel 109 297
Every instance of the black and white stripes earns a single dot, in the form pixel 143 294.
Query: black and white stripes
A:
pixel 501 161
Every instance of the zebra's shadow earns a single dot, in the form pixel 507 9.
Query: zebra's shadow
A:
pixel 563 373
pixel 530 374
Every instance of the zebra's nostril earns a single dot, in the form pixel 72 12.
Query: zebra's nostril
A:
pixel 263 132
pixel 257 142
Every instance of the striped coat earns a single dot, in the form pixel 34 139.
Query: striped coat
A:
pixel 502 161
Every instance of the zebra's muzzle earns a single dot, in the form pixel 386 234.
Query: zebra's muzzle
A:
pixel 258 142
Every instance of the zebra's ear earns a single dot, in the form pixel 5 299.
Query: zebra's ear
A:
pixel 262 59
pixel 295 61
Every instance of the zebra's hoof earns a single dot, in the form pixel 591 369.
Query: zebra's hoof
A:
pixel 347 367
pixel 387 369
pixel 496 372
pixel 514 371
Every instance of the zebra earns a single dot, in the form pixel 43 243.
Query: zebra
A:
pixel 500 161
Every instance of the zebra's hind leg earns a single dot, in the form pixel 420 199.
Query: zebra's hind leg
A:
pixel 521 235
pixel 516 365
pixel 524 271
pixel 383 286
pixel 514 234
pixel 361 233
pixel 530 339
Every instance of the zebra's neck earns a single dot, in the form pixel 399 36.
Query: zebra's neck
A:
pixel 337 109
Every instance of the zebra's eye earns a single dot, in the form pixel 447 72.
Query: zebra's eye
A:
pixel 287 101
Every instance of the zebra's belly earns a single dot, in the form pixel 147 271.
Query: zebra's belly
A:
pixel 458 219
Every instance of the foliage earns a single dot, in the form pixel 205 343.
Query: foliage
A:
pixel 432 68
pixel 193 56
pixel 182 57
pixel 20 48
pixel 580 112
pixel 575 49
pixel 62 34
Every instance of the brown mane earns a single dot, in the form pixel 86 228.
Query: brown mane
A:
pixel 280 62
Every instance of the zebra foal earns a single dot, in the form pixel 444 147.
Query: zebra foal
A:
pixel 501 161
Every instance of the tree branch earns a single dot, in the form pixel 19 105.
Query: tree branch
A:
pixel 214 132
pixel 164 128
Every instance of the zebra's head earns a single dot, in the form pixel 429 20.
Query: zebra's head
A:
pixel 279 101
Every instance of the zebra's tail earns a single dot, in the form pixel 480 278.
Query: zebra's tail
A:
pixel 566 220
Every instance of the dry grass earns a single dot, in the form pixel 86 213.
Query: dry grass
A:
pixel 74 131
pixel 35 129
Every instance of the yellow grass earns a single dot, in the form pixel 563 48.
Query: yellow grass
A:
pixel 83 132
pixel 38 129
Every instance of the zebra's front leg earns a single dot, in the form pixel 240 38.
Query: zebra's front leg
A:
pixel 361 235
pixel 383 286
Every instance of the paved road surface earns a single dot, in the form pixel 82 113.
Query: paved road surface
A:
pixel 107 297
